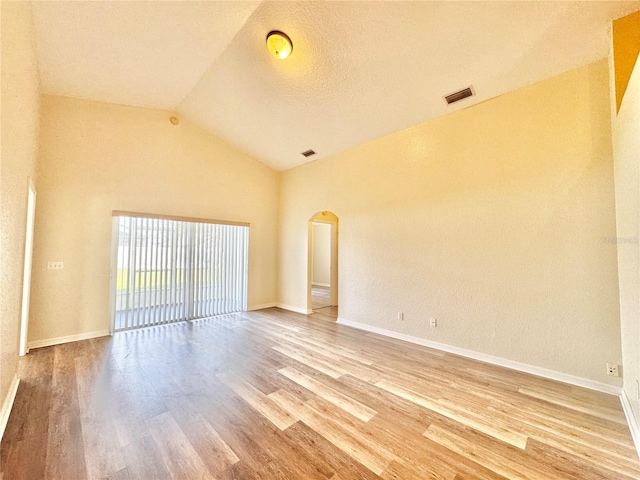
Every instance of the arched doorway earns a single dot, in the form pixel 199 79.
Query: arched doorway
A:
pixel 322 271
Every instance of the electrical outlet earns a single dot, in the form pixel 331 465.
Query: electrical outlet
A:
pixel 612 369
pixel 55 266
pixel 433 322
pixel 400 316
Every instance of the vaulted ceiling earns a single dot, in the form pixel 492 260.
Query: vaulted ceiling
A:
pixel 358 71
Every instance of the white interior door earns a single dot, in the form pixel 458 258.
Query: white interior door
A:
pixel 26 278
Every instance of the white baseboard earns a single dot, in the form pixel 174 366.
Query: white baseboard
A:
pixel 291 308
pixel 261 306
pixel 320 284
pixel 483 357
pixel 68 338
pixel 7 405
pixel 631 420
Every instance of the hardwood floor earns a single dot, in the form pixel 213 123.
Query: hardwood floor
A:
pixel 275 395
pixel 321 304
pixel 329 314
pixel 320 297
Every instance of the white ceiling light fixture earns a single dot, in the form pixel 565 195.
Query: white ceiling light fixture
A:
pixel 279 44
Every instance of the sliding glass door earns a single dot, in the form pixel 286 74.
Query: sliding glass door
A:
pixel 169 270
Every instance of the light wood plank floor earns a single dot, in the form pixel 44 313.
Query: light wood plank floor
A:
pixel 326 313
pixel 277 395
pixel 320 297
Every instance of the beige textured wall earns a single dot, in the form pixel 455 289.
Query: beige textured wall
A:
pixel 321 263
pixel 96 158
pixel 495 219
pixel 626 148
pixel 20 105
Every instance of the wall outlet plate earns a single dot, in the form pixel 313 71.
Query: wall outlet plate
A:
pixel 613 369
pixel 433 322
pixel 400 316
pixel 55 265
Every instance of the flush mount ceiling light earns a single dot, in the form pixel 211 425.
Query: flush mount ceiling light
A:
pixel 279 44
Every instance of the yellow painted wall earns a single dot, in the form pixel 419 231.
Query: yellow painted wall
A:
pixel 626 47
pixel 497 220
pixel 96 158
pixel 20 105
pixel 325 216
pixel 626 148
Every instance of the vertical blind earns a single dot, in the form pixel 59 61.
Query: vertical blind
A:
pixel 170 270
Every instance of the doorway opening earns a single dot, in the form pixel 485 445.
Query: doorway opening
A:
pixel 26 277
pixel 322 282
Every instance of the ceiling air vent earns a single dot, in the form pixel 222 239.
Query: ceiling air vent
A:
pixel 457 96
pixel 308 153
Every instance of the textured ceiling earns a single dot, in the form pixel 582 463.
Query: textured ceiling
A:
pixel 359 70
